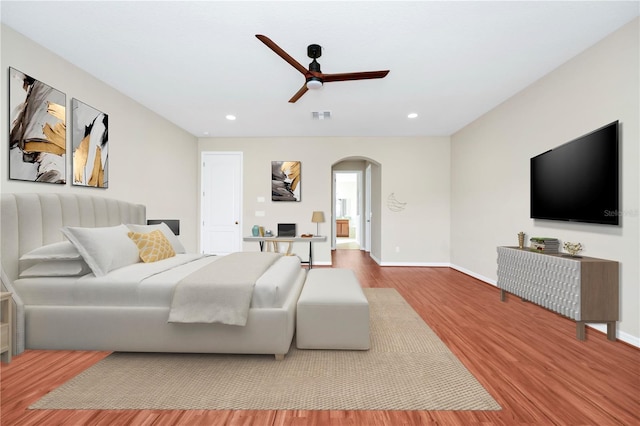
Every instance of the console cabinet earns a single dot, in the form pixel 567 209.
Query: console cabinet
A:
pixel 584 289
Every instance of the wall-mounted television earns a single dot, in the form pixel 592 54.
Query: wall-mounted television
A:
pixel 579 180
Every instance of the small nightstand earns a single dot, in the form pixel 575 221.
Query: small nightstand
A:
pixel 5 327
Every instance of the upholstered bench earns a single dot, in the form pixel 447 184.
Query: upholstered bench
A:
pixel 332 311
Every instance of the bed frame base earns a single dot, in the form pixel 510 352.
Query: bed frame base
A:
pixel 145 329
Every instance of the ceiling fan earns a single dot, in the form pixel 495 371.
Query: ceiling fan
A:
pixel 314 78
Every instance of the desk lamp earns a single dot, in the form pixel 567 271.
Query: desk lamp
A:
pixel 317 218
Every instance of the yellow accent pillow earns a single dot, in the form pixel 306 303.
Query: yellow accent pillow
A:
pixel 153 246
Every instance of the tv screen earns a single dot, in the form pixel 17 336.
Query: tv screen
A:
pixel 578 181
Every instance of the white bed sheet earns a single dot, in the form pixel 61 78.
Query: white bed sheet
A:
pixel 149 284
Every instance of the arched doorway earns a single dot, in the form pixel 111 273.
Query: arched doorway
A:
pixel 356 204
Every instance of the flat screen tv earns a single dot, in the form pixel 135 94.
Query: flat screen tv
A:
pixel 578 181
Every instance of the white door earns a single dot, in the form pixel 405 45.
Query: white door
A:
pixel 367 209
pixel 221 204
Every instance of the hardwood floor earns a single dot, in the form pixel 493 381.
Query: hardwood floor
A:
pixel 525 356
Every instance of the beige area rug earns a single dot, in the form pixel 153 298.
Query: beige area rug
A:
pixel 407 368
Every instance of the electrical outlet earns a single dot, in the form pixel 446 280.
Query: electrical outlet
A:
pixel 397 249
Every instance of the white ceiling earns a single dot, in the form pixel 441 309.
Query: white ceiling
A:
pixel 194 62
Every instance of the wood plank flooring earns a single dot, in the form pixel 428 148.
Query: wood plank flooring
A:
pixel 527 358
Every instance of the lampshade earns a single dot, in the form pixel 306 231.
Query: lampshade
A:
pixel 317 217
pixel 314 83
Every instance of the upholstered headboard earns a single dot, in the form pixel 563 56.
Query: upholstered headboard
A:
pixel 28 221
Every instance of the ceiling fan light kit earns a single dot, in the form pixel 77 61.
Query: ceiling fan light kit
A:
pixel 314 83
pixel 314 78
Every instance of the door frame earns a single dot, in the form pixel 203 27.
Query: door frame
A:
pixel 367 209
pixel 360 207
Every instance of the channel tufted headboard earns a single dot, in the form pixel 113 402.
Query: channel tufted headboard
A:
pixel 31 220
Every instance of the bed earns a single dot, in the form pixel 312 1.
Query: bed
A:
pixel 86 303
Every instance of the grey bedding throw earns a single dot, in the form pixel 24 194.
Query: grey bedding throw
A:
pixel 221 291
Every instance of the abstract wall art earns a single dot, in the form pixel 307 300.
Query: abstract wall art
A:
pixel 285 180
pixel 90 144
pixel 37 130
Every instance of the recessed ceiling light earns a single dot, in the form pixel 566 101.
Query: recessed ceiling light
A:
pixel 205 133
pixel 412 115
pixel 230 117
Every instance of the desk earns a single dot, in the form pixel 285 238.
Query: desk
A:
pixel 290 240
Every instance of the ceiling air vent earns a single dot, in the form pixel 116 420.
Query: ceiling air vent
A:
pixel 321 115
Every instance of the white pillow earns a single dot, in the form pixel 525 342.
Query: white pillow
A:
pixel 57 268
pixel 173 239
pixel 104 249
pixel 55 251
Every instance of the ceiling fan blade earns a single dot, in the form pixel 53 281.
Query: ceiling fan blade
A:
pixel 284 55
pixel 299 93
pixel 364 75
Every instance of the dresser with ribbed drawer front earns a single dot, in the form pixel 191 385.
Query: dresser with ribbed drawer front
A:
pixel 584 289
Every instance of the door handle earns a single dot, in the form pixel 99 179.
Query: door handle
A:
pixel 236 222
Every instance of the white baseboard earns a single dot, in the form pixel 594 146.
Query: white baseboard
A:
pixel 474 275
pixel 428 264
pixel 621 335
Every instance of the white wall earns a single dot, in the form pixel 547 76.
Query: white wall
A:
pixel 151 161
pixel 490 165
pixel 416 170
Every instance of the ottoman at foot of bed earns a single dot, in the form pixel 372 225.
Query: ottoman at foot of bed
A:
pixel 332 311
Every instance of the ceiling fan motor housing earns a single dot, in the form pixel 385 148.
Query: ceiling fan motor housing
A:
pixel 314 51
pixel 314 66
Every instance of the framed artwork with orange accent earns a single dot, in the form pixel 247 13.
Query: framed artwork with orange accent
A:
pixel 90 145
pixel 285 181
pixel 37 130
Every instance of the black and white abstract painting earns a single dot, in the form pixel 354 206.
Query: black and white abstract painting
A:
pixel 285 180
pixel 90 145
pixel 37 130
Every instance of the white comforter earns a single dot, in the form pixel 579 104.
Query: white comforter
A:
pixel 221 291
pixel 150 284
